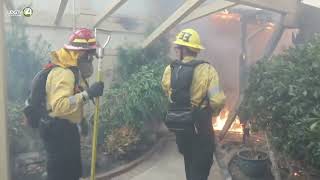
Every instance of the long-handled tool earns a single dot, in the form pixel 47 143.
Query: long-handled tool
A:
pixel 223 169
pixel 97 112
pixel 217 155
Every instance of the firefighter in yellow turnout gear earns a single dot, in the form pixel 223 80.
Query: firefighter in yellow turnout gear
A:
pixel 65 98
pixel 202 94
pixel 60 83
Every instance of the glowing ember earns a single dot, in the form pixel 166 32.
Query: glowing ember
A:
pixel 270 26
pixel 226 15
pixel 219 121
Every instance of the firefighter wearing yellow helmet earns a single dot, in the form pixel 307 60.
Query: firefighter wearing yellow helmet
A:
pixel 189 38
pixel 192 87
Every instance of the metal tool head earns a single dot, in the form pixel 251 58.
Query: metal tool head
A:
pixel 100 50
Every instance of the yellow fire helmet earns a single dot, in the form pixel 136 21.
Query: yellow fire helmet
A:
pixel 189 38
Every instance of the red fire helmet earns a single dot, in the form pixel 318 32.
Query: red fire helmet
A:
pixel 82 39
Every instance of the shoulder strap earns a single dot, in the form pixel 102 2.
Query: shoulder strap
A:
pixel 206 96
pixel 202 101
pixel 76 74
pixel 181 81
pixel 196 63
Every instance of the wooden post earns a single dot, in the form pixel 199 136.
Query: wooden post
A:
pixel 4 144
pixel 276 36
pixel 242 76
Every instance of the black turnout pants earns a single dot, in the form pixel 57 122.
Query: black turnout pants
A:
pixel 62 144
pixel 198 147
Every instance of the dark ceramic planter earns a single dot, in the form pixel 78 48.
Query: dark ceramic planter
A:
pixel 254 164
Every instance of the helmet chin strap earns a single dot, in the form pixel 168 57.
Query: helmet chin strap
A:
pixel 181 54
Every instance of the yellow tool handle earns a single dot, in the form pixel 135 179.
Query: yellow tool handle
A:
pixel 97 111
pixel 96 127
pixel 94 141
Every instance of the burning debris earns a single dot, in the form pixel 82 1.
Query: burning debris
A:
pixel 219 122
pixel 226 16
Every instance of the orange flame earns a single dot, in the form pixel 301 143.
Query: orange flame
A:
pixel 226 15
pixel 220 120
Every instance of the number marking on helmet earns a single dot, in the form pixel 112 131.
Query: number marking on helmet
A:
pixel 185 36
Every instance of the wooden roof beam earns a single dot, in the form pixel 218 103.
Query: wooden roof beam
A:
pixel 314 3
pixel 62 8
pixel 182 12
pixel 115 5
pixel 281 6
pixel 214 7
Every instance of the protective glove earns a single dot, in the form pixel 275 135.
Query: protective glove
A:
pixel 95 90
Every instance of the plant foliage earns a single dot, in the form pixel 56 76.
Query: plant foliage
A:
pixel 136 96
pixel 284 98
pixel 24 60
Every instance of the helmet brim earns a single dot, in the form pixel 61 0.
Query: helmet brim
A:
pixel 76 48
pixel 200 47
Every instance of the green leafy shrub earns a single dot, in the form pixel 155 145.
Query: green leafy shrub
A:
pixel 24 60
pixel 22 138
pixel 131 58
pixel 284 98
pixel 136 97
pixel 136 100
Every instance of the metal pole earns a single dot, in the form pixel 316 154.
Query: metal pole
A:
pixel 242 76
pixel 276 37
pixel 74 14
pixel 243 70
pixel 243 60
pixel 4 144
pixel 97 111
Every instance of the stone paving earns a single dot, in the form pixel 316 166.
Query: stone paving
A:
pixel 165 164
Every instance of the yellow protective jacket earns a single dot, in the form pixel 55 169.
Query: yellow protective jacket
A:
pixel 205 82
pixel 62 101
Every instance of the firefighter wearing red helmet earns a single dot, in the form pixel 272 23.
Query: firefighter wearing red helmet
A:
pixel 82 39
pixel 66 95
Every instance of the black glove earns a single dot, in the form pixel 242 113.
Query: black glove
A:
pixel 95 90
